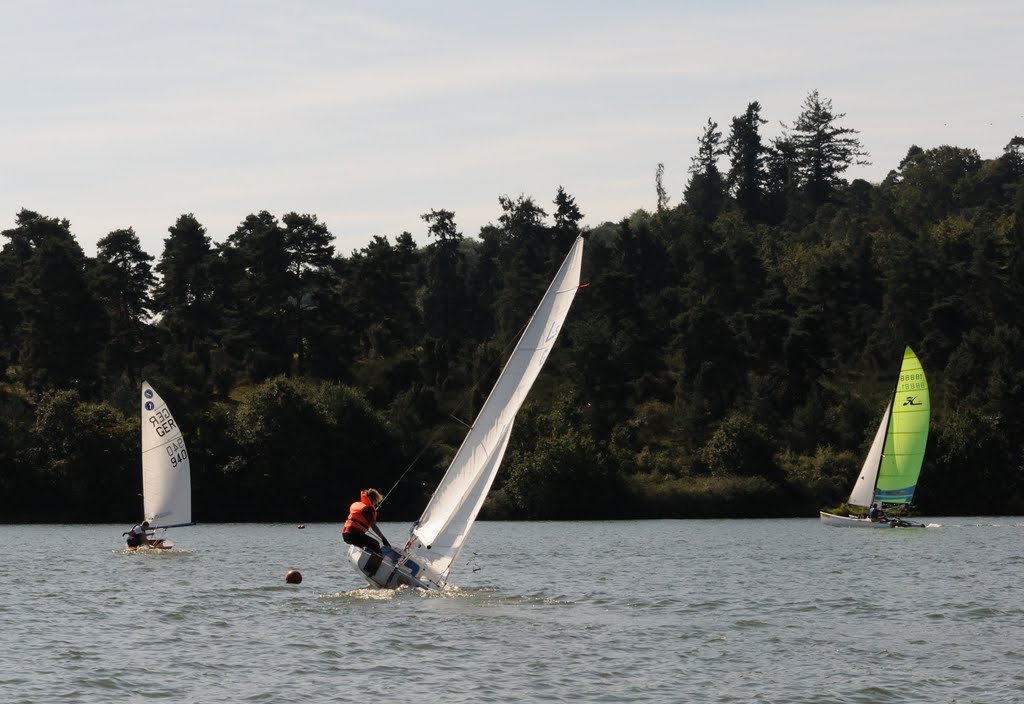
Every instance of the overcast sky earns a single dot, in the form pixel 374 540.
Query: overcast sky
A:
pixel 368 115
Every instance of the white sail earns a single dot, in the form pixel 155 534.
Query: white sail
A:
pixel 439 534
pixel 863 493
pixel 166 476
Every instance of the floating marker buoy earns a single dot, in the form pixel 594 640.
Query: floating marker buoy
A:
pixel 293 577
pixel 301 526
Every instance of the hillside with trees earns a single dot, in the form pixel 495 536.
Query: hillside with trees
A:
pixel 731 356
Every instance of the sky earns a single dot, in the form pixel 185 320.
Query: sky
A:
pixel 368 115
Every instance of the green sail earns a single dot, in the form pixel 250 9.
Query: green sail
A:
pixel 906 436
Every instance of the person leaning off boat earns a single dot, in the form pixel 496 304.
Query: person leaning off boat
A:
pixel 362 517
pixel 137 535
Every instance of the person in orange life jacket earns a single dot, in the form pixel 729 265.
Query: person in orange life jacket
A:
pixel 362 517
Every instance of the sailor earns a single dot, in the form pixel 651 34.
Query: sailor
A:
pixel 362 517
pixel 874 514
pixel 137 535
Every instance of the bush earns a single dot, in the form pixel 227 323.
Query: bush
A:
pixel 658 496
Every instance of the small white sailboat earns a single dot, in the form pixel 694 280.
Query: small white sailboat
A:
pixel 437 538
pixel 166 472
pixel 890 472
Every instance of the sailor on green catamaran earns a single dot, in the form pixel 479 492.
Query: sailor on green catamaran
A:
pixel 893 464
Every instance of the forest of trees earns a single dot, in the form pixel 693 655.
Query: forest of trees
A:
pixel 731 356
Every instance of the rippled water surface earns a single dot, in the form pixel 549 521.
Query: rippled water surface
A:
pixel 657 611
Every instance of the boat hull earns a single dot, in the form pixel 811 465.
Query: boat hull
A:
pixel 830 519
pixel 388 572
pixel 158 545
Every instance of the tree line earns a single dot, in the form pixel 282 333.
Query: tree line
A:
pixel 731 356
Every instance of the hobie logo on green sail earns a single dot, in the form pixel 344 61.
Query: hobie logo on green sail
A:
pixel 912 401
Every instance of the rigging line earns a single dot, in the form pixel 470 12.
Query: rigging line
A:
pixel 460 421
pixel 504 354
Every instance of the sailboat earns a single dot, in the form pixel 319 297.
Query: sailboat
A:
pixel 890 472
pixel 438 536
pixel 166 473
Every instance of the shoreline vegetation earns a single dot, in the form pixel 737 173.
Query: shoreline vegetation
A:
pixel 728 358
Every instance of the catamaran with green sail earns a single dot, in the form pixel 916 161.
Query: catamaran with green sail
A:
pixel 890 472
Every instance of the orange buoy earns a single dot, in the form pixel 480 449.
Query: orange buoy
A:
pixel 293 577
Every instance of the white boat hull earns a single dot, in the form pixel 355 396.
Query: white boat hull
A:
pixel 390 572
pixel 830 519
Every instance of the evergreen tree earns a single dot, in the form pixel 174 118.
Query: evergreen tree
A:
pixel 444 302
pixel 567 224
pixel 122 278
pixel 782 179
pixel 705 191
pixel 524 259
pixel 307 244
pixel 748 156
pixel 257 281
pixel 184 295
pixel 659 188
pixel 930 184
pixel 379 289
pixel 1013 154
pixel 57 323
pixel 824 150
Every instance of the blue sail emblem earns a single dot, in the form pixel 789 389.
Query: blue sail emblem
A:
pixel 148 393
pixel 893 496
pixel 149 406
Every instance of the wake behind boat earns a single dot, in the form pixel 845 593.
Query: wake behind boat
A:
pixel 891 470
pixel 437 538
pixel 166 471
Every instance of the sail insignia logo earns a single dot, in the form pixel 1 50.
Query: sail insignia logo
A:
pixel 150 406
pixel 148 393
pixel 912 401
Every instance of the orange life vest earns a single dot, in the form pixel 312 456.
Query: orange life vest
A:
pixel 361 515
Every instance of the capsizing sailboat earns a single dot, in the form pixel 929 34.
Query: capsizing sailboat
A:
pixel 893 464
pixel 438 536
pixel 166 471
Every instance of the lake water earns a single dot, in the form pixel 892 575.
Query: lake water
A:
pixel 658 611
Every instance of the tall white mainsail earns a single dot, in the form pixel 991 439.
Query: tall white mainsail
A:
pixel 166 475
pixel 439 534
pixel 863 493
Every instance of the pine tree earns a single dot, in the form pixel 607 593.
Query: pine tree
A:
pixel 824 150
pixel 659 188
pixel 567 223
pixel 58 324
pixel 705 191
pixel 184 296
pixel 748 156
pixel 121 278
